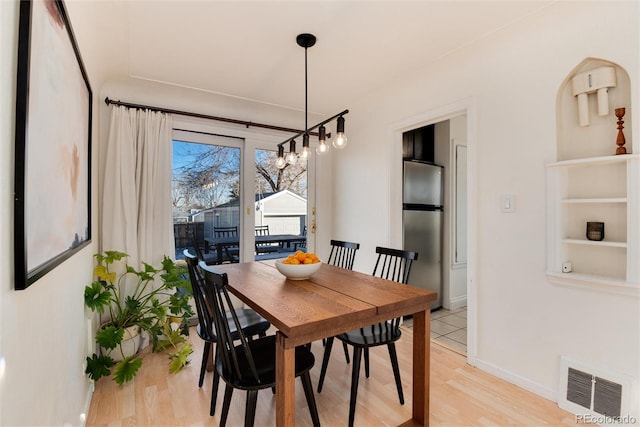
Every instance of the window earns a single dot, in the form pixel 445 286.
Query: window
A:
pixel 205 193
pixel 207 186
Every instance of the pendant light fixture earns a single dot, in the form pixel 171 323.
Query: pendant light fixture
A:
pixel 306 41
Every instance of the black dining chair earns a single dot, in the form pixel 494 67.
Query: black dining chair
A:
pixel 200 250
pixel 391 264
pixel 342 255
pixel 250 365
pixel 251 323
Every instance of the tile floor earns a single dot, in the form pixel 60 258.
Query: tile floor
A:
pixel 449 328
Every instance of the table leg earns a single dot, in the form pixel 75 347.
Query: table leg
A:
pixel 421 362
pixel 219 253
pixel 285 386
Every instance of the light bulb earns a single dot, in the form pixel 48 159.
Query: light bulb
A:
pixel 280 161
pixel 340 141
pixel 322 148
pixel 292 158
pixel 304 155
pixel 322 140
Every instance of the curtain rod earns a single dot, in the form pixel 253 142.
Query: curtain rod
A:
pixel 205 116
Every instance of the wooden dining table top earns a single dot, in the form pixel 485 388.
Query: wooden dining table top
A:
pixel 321 306
pixel 330 302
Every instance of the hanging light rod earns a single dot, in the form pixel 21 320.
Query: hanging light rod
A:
pixel 306 41
pixel 345 112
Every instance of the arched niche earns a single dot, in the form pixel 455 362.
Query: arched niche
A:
pixel 598 138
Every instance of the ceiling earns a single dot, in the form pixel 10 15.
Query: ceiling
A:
pixel 248 49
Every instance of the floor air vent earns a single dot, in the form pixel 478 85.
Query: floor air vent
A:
pixel 585 390
pixel 594 393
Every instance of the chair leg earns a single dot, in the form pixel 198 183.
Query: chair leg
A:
pixel 250 411
pixel 203 365
pixel 214 392
pixel 325 362
pixel 355 376
pixel 366 362
pixel 346 351
pixel 396 370
pixel 228 392
pixel 311 400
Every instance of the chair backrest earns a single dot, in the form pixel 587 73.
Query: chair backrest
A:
pixel 205 315
pixel 191 234
pixel 394 264
pixel 262 230
pixel 343 254
pixel 225 231
pixel 233 358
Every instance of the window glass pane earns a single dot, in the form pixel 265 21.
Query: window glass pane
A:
pixel 280 203
pixel 205 197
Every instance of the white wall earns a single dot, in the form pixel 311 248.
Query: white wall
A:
pixel 521 323
pixel 507 84
pixel 43 329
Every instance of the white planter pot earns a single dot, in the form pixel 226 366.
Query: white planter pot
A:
pixel 128 347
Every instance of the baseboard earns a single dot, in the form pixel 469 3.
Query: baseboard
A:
pixel 522 382
pixel 458 302
pixel 87 402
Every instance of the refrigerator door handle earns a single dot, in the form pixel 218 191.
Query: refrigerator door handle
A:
pixel 420 207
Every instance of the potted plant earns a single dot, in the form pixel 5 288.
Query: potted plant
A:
pixel 138 301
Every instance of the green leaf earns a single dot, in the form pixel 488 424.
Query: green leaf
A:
pixel 180 358
pixel 109 337
pixel 126 369
pixel 96 297
pixel 110 257
pixel 149 268
pixel 132 305
pixel 98 366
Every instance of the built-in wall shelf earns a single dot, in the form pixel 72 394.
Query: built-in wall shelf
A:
pixel 604 284
pixel 599 200
pixel 594 243
pixel 590 183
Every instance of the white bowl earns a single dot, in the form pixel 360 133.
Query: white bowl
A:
pixel 297 271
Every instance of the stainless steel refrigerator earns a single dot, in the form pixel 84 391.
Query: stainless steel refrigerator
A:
pixel 422 220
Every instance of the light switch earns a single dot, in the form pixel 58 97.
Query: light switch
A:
pixel 508 203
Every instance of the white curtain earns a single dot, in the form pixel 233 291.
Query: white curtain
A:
pixel 137 216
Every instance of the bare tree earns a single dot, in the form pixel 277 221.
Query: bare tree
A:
pixel 208 175
pixel 270 177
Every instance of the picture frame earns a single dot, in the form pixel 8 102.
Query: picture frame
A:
pixel 52 202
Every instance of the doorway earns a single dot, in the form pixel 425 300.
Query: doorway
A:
pixel 454 323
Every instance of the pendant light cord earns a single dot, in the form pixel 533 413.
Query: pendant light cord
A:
pixel 306 97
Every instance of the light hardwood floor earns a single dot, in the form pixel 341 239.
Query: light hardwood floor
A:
pixel 460 395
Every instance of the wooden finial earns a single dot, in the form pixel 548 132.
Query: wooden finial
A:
pixel 620 141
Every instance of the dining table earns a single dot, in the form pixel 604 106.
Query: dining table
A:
pixel 330 302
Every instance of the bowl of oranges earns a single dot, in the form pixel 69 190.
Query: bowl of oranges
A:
pixel 299 265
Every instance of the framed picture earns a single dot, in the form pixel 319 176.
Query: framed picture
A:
pixel 52 215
